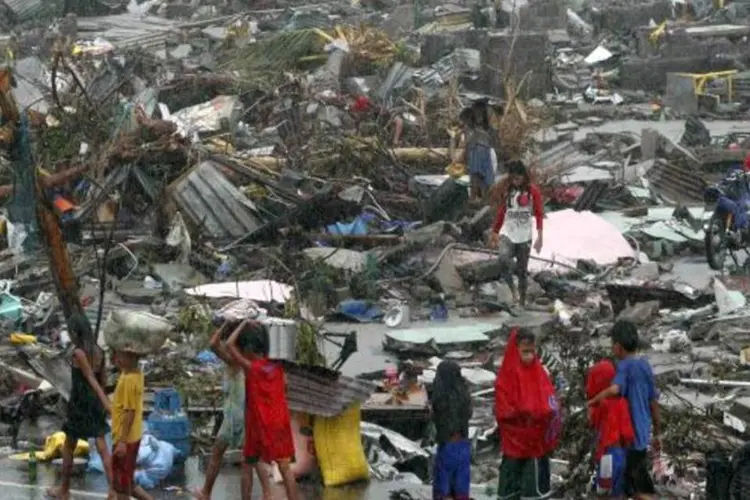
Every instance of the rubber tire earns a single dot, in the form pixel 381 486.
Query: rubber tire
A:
pixel 717 220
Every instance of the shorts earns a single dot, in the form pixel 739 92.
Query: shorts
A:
pixel 507 252
pixel 123 468
pixel 524 479
pixel 616 488
pixel 452 471
pixel 638 474
pixel 232 432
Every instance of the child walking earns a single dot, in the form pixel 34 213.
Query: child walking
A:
pixel 634 381
pixel 451 411
pixel 528 417
pixel 88 405
pixel 610 419
pixel 268 428
pixel 127 426
pixel 232 431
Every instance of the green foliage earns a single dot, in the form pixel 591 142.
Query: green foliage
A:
pixel 281 52
pixel 307 337
pixel 196 320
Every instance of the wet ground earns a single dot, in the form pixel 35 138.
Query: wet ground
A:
pixel 15 485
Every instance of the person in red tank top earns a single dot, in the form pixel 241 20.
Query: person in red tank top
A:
pixel 268 427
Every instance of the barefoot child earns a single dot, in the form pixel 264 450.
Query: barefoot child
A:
pixel 528 418
pixel 127 426
pixel 451 411
pixel 268 429
pixel 610 419
pixel 232 430
pixel 88 406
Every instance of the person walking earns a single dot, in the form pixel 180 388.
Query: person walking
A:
pixel 268 428
pixel 519 205
pixel 451 410
pixel 232 431
pixel 88 406
pixel 127 426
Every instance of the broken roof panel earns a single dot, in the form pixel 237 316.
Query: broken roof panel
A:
pixel 676 183
pixel 211 202
pixel 23 10
pixel 564 156
pixel 446 335
pixel 322 392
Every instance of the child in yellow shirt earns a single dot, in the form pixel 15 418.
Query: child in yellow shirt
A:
pixel 127 426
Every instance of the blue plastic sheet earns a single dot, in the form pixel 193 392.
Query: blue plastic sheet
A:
pixel 361 311
pixel 155 460
pixel 208 358
pixel 358 227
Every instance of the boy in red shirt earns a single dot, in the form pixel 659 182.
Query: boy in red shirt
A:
pixel 268 428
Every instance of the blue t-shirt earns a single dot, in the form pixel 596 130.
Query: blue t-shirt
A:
pixel 635 379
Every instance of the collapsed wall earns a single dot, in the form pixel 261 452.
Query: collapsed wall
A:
pixel 619 16
pixel 529 59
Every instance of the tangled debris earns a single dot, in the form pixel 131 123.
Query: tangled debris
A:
pixel 307 159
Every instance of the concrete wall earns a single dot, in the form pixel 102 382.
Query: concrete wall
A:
pixel 651 74
pixel 436 45
pixel 529 55
pixel 543 15
pixel 618 17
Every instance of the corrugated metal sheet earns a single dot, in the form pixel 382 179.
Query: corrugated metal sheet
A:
pixel 323 392
pixel 589 197
pixel 398 76
pixel 23 10
pixel 460 61
pixel 211 202
pixel 564 156
pixel 676 183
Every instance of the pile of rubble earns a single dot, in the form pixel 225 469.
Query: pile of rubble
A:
pixel 201 156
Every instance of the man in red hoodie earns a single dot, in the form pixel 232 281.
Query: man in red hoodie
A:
pixel 528 418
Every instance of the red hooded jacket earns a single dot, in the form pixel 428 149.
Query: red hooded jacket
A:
pixel 611 417
pixel 526 407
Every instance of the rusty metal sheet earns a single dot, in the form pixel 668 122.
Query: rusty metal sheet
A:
pixel 214 204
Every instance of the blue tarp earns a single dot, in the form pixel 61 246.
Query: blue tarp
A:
pixel 361 311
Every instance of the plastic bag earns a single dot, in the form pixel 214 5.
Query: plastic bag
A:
pixel 179 237
pixel 152 471
pixel 154 463
pixel 137 331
